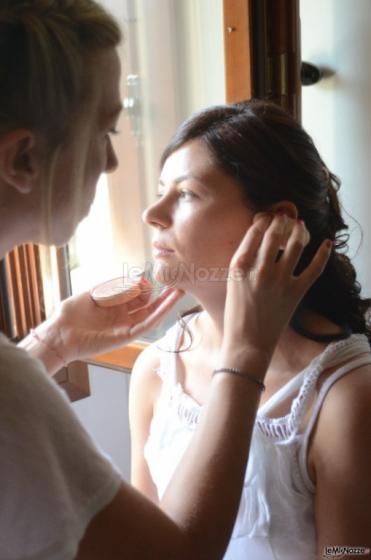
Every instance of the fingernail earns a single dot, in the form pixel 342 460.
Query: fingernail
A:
pixel 329 243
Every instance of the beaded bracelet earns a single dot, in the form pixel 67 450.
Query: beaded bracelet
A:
pixel 51 349
pixel 241 373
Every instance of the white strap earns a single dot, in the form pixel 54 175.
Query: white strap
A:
pixel 326 386
pixel 334 354
pixel 344 350
pixel 279 396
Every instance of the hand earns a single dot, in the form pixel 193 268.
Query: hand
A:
pixel 262 292
pixel 80 328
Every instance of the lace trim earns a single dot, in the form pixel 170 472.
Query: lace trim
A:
pixel 284 427
pixel 276 428
pixel 287 426
pixel 188 410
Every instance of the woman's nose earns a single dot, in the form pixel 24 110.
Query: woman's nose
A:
pixel 158 214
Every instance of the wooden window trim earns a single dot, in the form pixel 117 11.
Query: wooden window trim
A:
pixel 238 49
pixel 122 359
pixel 74 380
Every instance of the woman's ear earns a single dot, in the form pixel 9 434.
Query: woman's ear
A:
pixel 285 207
pixel 18 162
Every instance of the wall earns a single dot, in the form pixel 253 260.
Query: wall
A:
pixel 104 414
pixel 336 111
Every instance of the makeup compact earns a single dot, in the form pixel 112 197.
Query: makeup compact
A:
pixel 115 292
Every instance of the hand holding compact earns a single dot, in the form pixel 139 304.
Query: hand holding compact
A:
pixel 81 327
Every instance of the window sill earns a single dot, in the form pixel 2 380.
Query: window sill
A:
pixel 120 360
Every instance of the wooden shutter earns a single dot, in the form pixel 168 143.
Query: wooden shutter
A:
pixel 262 51
pixel 238 52
pixel 21 292
pixel 22 307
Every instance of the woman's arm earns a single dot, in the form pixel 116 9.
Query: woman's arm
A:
pixel 341 459
pixel 145 385
pixel 79 328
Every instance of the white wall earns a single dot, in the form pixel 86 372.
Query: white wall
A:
pixel 104 414
pixel 336 111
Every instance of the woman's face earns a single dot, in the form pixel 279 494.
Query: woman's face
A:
pixel 198 220
pixel 89 153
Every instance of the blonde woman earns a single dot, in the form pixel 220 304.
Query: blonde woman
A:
pixel 59 497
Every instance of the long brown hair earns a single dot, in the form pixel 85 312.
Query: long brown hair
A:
pixel 273 159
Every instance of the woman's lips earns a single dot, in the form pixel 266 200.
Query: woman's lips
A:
pixel 160 250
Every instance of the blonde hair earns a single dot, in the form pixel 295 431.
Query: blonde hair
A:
pixel 44 45
pixel 45 49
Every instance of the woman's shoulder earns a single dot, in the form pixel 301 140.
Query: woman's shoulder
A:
pixel 10 353
pixel 344 361
pixel 147 364
pixel 18 369
pixel 346 410
pixel 341 443
pixel 354 387
pixel 27 392
pixel 155 354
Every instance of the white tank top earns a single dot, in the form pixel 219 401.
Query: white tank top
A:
pixel 275 520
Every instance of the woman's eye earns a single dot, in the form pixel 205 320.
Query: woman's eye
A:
pixel 186 194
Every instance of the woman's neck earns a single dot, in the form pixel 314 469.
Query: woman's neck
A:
pixel 292 353
pixel 11 236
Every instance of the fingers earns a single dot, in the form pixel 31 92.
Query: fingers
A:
pixel 280 248
pixel 149 316
pixel 294 246
pixel 246 253
pixel 143 298
pixel 316 267
pixel 266 238
pixel 274 240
